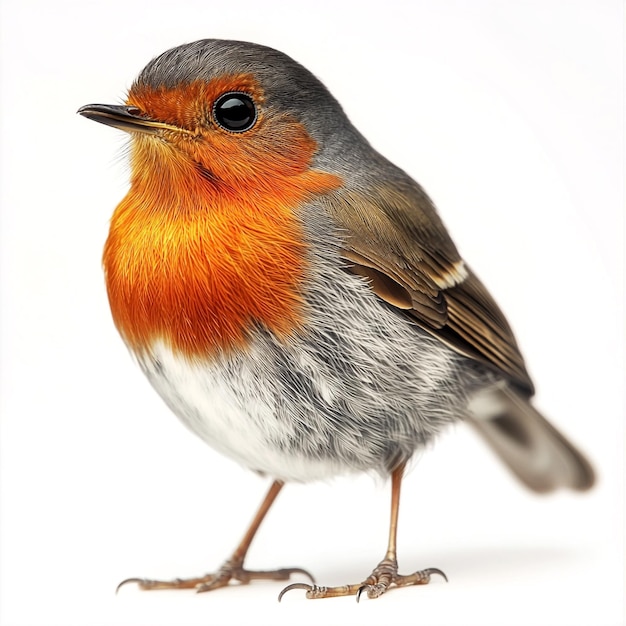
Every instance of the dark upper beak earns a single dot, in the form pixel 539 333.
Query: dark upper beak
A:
pixel 128 118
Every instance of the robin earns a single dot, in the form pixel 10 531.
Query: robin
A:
pixel 295 298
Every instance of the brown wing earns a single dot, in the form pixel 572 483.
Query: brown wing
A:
pixel 397 240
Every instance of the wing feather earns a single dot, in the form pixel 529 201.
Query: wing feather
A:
pixel 395 238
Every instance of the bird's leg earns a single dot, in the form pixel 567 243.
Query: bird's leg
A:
pixel 232 569
pixel 385 574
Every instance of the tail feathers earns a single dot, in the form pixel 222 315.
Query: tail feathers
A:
pixel 539 455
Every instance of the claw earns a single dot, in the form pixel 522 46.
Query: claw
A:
pixel 435 570
pixel 127 581
pixel 373 591
pixel 362 588
pixel 304 586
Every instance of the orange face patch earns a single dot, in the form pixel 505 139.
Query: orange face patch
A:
pixel 189 104
pixel 207 243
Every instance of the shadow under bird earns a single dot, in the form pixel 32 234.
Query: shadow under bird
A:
pixel 295 298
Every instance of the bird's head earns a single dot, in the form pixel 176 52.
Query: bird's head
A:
pixel 226 114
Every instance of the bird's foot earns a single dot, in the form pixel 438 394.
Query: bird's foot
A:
pixel 231 571
pixel 384 576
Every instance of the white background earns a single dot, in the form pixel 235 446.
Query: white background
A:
pixel 509 113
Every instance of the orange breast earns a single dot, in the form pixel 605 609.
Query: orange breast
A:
pixel 195 261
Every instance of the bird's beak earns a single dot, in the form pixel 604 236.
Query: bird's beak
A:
pixel 128 118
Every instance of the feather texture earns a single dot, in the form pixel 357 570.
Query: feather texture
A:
pixel 396 239
pixel 357 387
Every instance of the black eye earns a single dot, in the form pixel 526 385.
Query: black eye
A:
pixel 235 112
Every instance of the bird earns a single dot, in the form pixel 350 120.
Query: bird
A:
pixel 296 300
